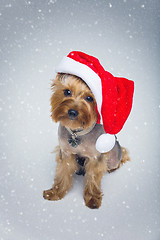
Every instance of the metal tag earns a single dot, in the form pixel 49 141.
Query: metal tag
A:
pixel 74 141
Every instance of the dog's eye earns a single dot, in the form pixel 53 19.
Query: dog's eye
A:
pixel 89 99
pixel 67 92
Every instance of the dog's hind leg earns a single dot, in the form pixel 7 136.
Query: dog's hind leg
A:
pixel 116 157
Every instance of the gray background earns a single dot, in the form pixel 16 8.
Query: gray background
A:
pixel 35 35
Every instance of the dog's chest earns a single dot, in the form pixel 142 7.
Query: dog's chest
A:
pixel 85 147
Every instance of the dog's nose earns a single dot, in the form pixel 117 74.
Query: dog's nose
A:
pixel 72 113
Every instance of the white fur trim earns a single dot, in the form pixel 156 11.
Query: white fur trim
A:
pixel 70 66
pixel 105 143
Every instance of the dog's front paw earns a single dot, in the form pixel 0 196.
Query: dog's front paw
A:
pixel 92 201
pixel 53 194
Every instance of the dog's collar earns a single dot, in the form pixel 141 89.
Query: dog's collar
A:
pixel 80 132
pixel 74 140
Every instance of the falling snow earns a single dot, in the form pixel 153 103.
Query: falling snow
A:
pixel 35 35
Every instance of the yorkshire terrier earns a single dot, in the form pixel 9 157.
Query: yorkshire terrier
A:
pixel 73 105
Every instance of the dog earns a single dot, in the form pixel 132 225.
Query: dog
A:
pixel 73 105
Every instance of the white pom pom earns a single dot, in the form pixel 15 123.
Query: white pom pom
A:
pixel 105 143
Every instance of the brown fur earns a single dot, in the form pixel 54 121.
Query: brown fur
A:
pixel 60 104
pixel 66 164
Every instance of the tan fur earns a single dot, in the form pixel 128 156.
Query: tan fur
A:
pixel 60 104
pixel 66 167
pixel 66 163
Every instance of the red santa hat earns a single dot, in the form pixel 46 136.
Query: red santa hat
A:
pixel 114 95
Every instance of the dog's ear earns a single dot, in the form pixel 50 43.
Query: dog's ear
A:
pixel 53 85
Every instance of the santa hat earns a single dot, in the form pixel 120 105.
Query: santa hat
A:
pixel 114 95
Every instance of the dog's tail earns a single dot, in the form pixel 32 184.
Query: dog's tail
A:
pixel 125 156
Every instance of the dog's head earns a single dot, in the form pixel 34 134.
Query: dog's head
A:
pixel 72 103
